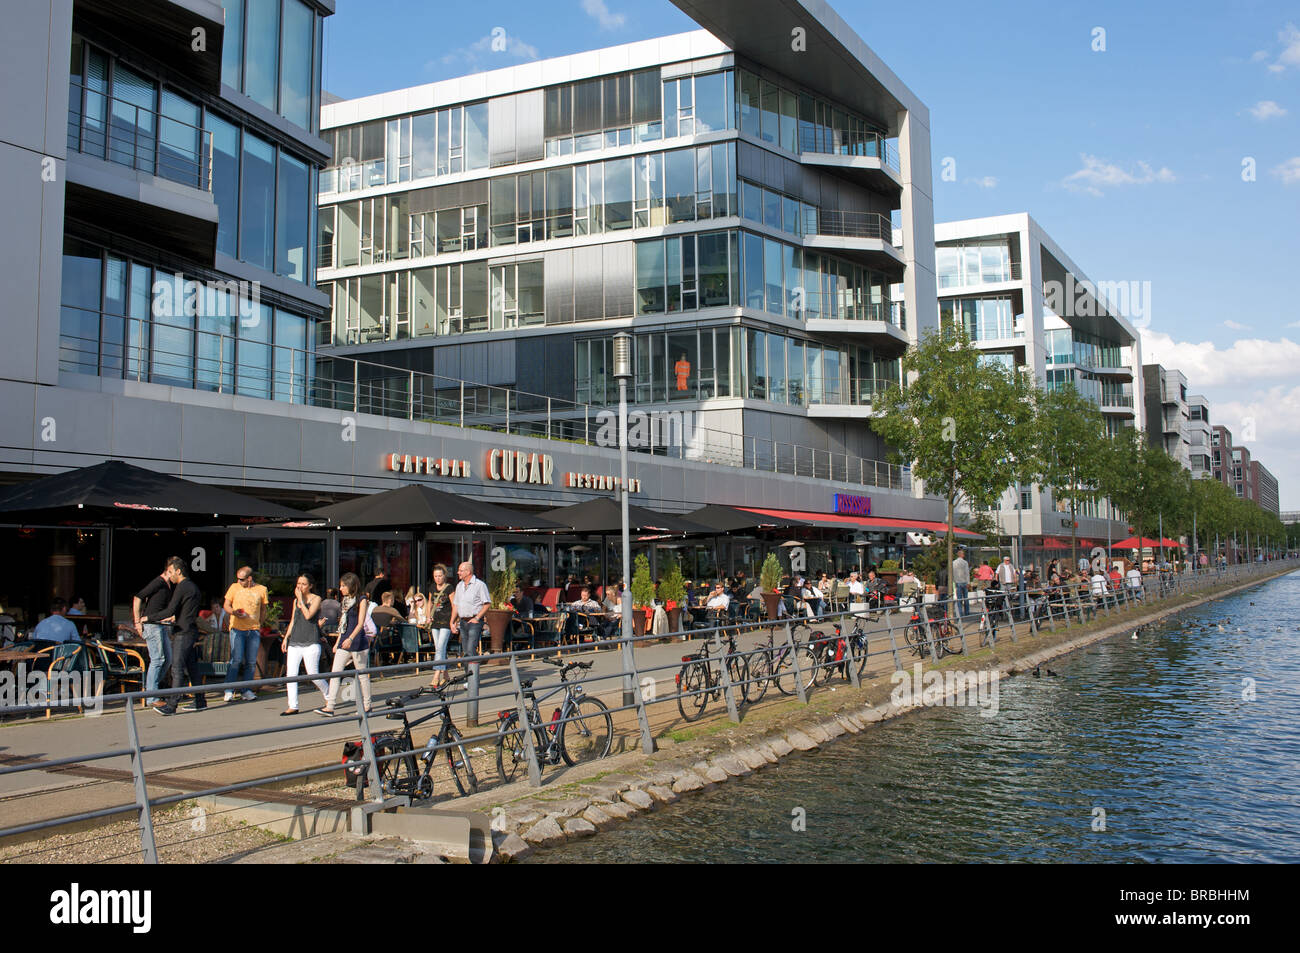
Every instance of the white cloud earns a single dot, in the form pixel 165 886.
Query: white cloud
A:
pixel 1290 55
pixel 1259 56
pixel 1248 359
pixel 1266 109
pixel 494 44
pixel 1236 326
pixel 1098 172
pixel 985 182
pixel 1294 324
pixel 597 10
pixel 1289 171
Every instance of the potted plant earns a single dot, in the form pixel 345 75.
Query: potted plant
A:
pixel 501 586
pixel 643 594
pixel 769 577
pixel 672 590
pixel 889 571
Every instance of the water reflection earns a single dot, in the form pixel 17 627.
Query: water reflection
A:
pixel 1162 733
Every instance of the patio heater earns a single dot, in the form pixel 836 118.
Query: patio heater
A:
pixel 623 373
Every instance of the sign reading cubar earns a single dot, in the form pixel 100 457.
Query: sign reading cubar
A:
pixel 852 505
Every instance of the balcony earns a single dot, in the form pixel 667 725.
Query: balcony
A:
pixel 134 170
pixel 848 398
pixel 1121 404
pixel 836 316
pixel 868 159
pixel 165 28
pixel 1007 272
pixel 865 237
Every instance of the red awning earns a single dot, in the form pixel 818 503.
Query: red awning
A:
pixel 1146 543
pixel 878 523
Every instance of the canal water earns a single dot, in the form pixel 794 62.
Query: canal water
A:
pixel 1187 738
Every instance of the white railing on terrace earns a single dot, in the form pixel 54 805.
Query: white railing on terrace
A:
pixel 109 345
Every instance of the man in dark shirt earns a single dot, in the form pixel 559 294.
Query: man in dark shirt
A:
pixel 150 601
pixel 376 588
pixel 183 609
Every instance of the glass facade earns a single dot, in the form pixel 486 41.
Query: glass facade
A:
pixel 982 319
pixel 974 263
pixel 691 363
pixel 127 319
pixel 271 53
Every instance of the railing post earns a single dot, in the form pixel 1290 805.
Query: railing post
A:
pixel 849 657
pixel 893 644
pixel 462 404
pixel 410 398
pixel 632 685
pixel 799 688
pixel 148 850
pixel 530 750
pixel 925 619
pixel 728 692
pixel 367 746
pixel 961 628
pixel 548 418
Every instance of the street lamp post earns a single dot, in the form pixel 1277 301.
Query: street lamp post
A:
pixel 623 373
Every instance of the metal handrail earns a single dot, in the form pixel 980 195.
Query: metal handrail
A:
pixel 1011 271
pixel 829 141
pixel 836 224
pixel 122 132
pixel 213 362
pixel 1063 605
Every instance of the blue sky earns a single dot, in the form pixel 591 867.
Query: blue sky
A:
pixel 1131 158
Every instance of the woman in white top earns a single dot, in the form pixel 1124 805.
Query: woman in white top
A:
pixel 857 595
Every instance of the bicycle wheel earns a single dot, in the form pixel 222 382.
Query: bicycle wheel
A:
pixel 588 734
pixel 398 775
pixel 462 771
pixel 511 756
pixel 692 696
pixel 949 639
pixel 760 673
pixel 784 678
pixel 860 642
pixel 823 652
pixel 916 638
pixel 738 671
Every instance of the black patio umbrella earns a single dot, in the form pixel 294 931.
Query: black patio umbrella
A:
pixel 728 519
pixel 120 494
pixel 416 505
pixel 603 515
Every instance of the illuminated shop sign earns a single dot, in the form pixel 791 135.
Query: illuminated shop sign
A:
pixel 433 466
pixel 852 505
pixel 597 481
pixel 516 466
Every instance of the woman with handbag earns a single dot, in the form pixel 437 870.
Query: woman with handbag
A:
pixel 355 632
pixel 439 610
pixel 301 643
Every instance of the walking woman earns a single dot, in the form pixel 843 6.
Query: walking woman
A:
pixel 439 608
pixel 354 643
pixel 301 644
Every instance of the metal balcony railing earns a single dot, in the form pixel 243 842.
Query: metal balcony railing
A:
pixel 836 224
pixel 119 346
pixel 841 142
pixel 142 139
pixel 1008 271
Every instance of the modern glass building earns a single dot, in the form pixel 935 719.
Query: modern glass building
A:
pixel 761 231
pixel 213 276
pixel 1027 305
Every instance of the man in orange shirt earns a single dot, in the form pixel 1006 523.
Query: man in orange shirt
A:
pixel 246 602
pixel 682 370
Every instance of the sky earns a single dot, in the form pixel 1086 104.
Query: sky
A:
pixel 1155 142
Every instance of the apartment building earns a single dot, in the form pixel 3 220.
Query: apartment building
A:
pixel 1167 412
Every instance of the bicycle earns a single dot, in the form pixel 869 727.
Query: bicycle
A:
pixel 935 627
pixel 699 680
pixel 581 729
pixel 399 775
pixel 774 664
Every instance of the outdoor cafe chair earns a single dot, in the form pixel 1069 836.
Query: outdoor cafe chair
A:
pixel 61 658
pixel 121 666
pixel 415 641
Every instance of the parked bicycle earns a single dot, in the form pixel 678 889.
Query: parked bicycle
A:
pixel 581 728
pixel 929 622
pixel 701 678
pixel 412 774
pixel 773 663
pixel 840 651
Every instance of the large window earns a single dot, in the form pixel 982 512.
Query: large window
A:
pixel 798 122
pixel 270 53
pixel 957 266
pixel 672 273
pixel 257 203
pixel 292 218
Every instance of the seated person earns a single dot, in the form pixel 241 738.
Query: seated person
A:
pixel 909 585
pixel 523 607
pixel 55 627
pixel 1133 579
pixel 78 606
pixel 585 605
pixel 717 605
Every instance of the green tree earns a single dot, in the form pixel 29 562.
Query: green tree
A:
pixel 1070 443
pixel 961 424
pixel 643 587
pixel 1142 481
